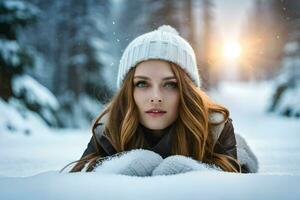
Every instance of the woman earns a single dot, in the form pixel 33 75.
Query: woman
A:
pixel 159 107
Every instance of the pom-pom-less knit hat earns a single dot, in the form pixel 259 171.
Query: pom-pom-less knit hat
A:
pixel 164 44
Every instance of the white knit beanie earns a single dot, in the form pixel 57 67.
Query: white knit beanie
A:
pixel 164 43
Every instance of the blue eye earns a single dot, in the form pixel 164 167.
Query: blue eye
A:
pixel 141 84
pixel 170 84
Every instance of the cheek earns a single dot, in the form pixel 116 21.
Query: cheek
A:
pixel 138 98
pixel 174 99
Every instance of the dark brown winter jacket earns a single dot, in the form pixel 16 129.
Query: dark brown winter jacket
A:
pixel 224 136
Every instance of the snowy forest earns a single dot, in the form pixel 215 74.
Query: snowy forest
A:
pixel 59 63
pixel 59 59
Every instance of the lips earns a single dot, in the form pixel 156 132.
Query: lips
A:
pixel 156 112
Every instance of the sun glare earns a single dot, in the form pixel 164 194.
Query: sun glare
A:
pixel 231 50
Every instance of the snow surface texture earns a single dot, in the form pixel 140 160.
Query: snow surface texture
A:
pixel 274 140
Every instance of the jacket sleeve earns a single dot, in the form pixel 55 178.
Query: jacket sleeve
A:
pixel 105 146
pixel 91 147
pixel 226 144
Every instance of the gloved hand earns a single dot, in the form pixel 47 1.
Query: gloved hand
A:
pixel 181 164
pixel 138 162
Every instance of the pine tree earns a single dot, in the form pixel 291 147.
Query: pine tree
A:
pixel 14 58
pixel 18 89
pixel 286 95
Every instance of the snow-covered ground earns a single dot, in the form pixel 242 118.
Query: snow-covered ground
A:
pixel 29 164
pixel 275 140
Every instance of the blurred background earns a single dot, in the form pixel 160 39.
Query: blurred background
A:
pixel 59 59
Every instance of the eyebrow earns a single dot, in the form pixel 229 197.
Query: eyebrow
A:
pixel 147 78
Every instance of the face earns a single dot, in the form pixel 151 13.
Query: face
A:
pixel 156 94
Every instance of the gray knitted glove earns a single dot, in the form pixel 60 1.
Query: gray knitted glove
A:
pixel 137 162
pixel 181 164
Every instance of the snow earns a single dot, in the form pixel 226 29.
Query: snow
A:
pixel 22 10
pixel 85 108
pixel 290 100
pixel 90 105
pixel 291 47
pixel 194 185
pixel 22 155
pixel 34 92
pixel 16 118
pixel 9 51
pixel 98 43
pixel 79 59
pixel 29 165
pixel 37 96
pixel 287 84
pixel 274 139
pixel 291 66
pixel 15 5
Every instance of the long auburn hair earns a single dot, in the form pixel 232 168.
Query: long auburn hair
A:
pixel 191 137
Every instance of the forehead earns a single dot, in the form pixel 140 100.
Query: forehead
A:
pixel 154 68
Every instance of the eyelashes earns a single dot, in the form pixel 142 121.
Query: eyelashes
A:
pixel 143 84
pixel 140 84
pixel 171 84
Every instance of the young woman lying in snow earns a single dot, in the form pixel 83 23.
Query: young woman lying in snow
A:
pixel 160 122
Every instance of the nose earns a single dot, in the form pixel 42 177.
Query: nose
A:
pixel 153 100
pixel 156 96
